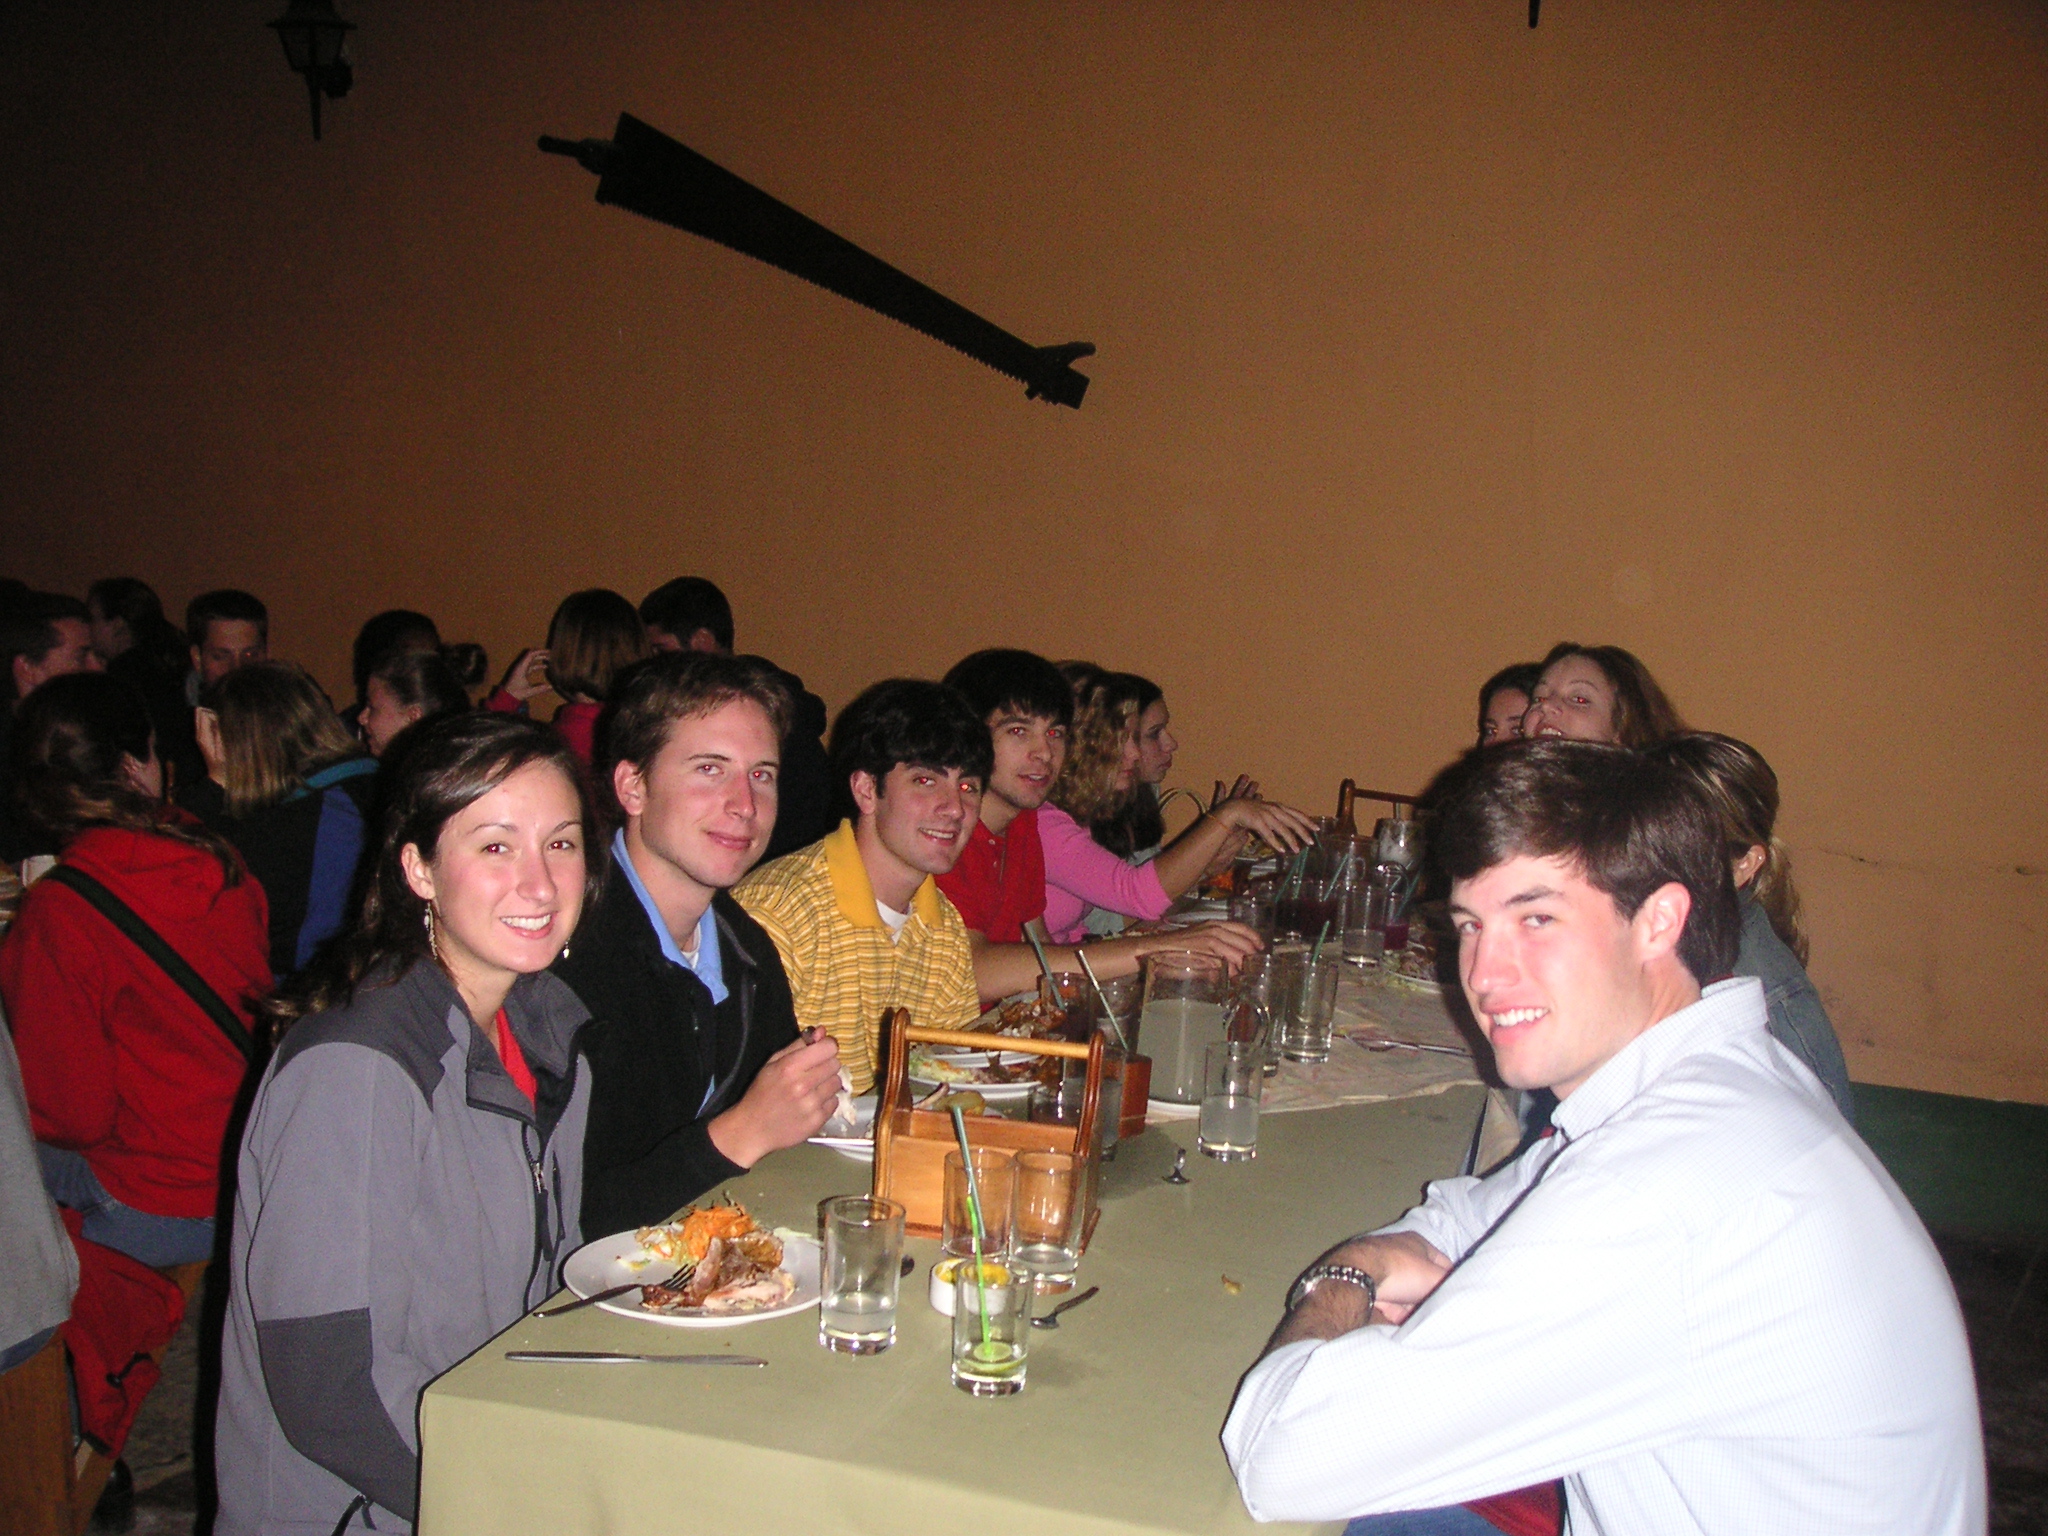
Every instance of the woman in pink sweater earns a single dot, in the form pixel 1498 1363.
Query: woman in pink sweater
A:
pixel 1100 775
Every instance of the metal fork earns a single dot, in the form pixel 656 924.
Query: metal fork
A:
pixel 618 1290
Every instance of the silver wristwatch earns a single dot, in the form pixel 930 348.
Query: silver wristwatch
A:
pixel 1316 1274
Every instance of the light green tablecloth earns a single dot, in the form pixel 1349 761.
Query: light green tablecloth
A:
pixel 1116 1432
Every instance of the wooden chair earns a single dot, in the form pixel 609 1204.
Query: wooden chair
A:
pixel 1348 794
pixel 48 1484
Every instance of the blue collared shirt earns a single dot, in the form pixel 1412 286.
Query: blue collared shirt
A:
pixel 706 965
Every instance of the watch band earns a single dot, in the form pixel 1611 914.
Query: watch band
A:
pixel 1347 1274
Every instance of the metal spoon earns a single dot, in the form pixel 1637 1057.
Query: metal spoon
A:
pixel 1180 1169
pixel 1052 1318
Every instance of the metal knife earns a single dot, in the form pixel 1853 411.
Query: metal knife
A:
pixel 608 1357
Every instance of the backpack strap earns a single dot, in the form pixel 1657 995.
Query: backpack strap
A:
pixel 337 773
pixel 152 944
pixel 337 850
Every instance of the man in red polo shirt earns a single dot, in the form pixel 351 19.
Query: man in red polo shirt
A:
pixel 999 883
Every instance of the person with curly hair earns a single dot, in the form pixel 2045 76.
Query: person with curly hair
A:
pixel 1099 776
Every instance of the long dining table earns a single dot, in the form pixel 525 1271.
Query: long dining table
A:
pixel 1116 1431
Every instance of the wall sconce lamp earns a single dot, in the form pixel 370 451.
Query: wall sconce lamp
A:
pixel 316 45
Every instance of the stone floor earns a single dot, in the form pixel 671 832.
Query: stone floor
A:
pixel 2002 1283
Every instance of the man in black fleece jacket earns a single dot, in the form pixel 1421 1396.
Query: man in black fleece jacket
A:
pixel 697 1068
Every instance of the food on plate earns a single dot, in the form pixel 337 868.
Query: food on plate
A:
pixel 972 1071
pixel 1029 1017
pixel 726 1263
pixel 944 1101
pixel 1414 967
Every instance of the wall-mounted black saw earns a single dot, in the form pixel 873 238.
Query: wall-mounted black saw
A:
pixel 646 172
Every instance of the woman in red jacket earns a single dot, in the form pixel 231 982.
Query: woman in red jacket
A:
pixel 129 1082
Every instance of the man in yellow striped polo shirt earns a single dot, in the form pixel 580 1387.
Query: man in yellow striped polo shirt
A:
pixel 859 922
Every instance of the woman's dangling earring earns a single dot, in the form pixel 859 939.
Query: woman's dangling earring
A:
pixel 433 944
pixel 565 952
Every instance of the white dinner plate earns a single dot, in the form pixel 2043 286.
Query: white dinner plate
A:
pixel 991 1093
pixel 959 1056
pixel 853 1138
pixel 601 1265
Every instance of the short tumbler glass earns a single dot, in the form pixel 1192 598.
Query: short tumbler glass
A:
pixel 862 1267
pixel 991 1329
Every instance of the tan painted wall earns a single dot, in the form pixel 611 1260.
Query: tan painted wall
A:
pixel 1720 332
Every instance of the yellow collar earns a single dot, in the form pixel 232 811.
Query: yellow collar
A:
pixel 856 895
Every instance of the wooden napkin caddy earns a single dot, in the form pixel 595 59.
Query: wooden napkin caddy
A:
pixel 911 1144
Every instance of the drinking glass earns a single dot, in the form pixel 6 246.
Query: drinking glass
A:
pixel 991 1329
pixel 1181 1018
pixel 1074 1002
pixel 1232 1077
pixel 995 1175
pixel 1061 1104
pixel 862 1266
pixel 1311 1005
pixel 1124 994
pixel 1365 931
pixel 1050 1212
pixel 1397 840
pixel 1252 905
pixel 1253 1016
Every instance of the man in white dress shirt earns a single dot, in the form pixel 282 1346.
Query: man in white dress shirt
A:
pixel 1701 1302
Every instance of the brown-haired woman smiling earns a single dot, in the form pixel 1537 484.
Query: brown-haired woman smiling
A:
pixel 412 1172
pixel 1599 693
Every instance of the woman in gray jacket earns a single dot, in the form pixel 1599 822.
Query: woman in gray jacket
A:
pixel 412 1170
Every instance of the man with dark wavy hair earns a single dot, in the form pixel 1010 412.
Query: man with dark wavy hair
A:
pixel 1700 1302
pixel 858 917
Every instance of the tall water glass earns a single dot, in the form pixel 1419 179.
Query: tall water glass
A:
pixel 1252 905
pixel 1311 1006
pixel 1050 1212
pixel 995 1174
pixel 1253 1016
pixel 861 1268
pixel 1124 995
pixel 1061 1103
pixel 1181 1018
pixel 1231 1082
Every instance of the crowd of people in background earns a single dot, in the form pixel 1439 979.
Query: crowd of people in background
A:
pixel 616 958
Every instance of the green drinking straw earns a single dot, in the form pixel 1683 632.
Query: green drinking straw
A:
pixel 974 1227
pixel 1316 955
